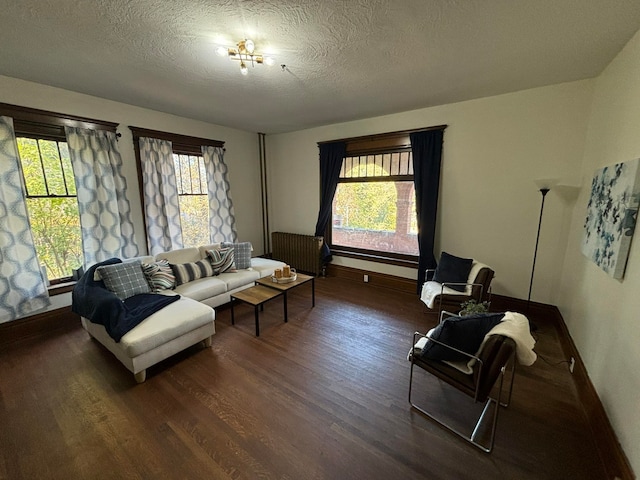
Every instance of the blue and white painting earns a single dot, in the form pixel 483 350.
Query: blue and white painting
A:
pixel 612 212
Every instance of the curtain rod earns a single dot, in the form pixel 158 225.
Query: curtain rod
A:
pixel 381 135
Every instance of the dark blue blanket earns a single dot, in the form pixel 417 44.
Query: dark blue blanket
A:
pixel 92 300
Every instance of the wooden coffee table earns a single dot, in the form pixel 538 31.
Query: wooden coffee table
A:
pixel 256 296
pixel 284 287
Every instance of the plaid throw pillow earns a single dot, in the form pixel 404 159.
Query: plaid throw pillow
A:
pixel 188 272
pixel 159 275
pixel 241 253
pixel 124 279
pixel 221 260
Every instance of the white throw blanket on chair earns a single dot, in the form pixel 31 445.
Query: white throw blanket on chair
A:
pixel 513 325
pixel 431 289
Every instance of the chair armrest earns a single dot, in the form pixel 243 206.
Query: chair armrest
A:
pixel 416 335
pixel 465 284
pixel 445 314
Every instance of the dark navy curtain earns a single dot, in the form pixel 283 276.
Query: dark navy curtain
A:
pixel 331 156
pixel 426 148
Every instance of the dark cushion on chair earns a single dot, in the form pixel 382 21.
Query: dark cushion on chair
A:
pixel 453 269
pixel 463 333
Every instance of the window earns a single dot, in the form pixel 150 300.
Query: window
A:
pixel 373 210
pixel 49 185
pixel 191 179
pixel 51 204
pixel 374 205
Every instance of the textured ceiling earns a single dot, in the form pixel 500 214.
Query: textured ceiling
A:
pixel 344 60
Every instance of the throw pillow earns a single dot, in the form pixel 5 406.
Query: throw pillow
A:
pixel 241 253
pixel 453 269
pixel 188 272
pixel 159 275
pixel 124 279
pixel 221 260
pixel 463 333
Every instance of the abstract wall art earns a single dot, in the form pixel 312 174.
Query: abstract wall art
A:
pixel 612 212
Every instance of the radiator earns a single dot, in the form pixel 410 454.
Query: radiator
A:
pixel 302 252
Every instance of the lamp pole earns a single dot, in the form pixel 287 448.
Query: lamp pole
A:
pixel 544 192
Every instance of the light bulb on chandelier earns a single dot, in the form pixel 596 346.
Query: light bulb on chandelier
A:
pixel 245 53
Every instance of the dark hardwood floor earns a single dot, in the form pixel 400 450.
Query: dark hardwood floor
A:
pixel 323 396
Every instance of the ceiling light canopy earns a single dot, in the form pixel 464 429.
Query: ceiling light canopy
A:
pixel 245 53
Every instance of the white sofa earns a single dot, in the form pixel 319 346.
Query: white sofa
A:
pixel 217 290
pixel 185 322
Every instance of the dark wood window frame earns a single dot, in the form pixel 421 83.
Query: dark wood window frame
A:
pixel 47 125
pixel 367 145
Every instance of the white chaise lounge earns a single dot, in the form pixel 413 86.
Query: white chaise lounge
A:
pixel 156 338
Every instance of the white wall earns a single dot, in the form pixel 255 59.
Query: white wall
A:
pixel 494 149
pixel 241 154
pixel 603 314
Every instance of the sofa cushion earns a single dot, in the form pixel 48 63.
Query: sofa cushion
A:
pixel 181 255
pixel 140 259
pixel 221 260
pixel 239 278
pixel 241 253
pixel 159 275
pixel 124 279
pixel 265 266
pixel 202 289
pixel 452 269
pixel 171 322
pixel 188 272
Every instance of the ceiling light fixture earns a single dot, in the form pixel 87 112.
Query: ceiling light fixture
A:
pixel 245 53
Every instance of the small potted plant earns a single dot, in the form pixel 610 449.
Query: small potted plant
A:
pixel 471 307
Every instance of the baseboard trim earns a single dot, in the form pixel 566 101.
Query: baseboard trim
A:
pixel 613 457
pixel 39 325
pixel 375 279
pixel 611 452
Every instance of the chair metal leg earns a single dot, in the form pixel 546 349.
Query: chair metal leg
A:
pixel 477 427
pixel 472 438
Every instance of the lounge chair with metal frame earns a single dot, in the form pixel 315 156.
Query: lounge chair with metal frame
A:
pixel 446 296
pixel 489 369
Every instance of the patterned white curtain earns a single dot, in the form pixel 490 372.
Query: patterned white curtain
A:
pixel 161 207
pixel 105 211
pixel 22 286
pixel 222 222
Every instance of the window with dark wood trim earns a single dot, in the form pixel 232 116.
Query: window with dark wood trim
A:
pixel 50 187
pixel 376 185
pixel 191 180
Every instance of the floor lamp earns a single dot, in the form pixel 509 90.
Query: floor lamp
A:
pixel 544 192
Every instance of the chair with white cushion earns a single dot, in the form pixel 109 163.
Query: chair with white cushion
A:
pixel 454 281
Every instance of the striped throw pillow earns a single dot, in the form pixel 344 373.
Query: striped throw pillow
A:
pixel 159 275
pixel 188 272
pixel 221 260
